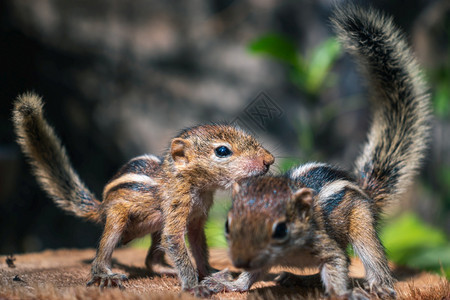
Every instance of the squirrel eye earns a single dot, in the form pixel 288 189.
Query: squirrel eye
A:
pixel 223 151
pixel 227 227
pixel 280 231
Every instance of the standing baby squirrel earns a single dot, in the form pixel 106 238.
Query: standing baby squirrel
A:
pixel 315 210
pixel 167 197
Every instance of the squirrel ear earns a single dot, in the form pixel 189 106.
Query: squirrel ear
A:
pixel 302 199
pixel 178 150
pixel 235 189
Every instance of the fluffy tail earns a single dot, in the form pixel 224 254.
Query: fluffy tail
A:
pixel 49 160
pixel 398 136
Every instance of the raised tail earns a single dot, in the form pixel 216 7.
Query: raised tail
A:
pixel 49 159
pixel 399 133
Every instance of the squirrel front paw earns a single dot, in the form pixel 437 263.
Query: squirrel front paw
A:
pixel 108 280
pixel 223 282
pixel 216 281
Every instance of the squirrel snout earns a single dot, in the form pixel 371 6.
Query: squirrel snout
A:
pixel 268 159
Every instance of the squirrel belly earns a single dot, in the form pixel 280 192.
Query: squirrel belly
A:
pixel 319 209
pixel 168 197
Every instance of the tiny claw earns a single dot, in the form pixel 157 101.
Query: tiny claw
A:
pixel 384 292
pixel 90 282
pixel 123 277
pixel 108 280
pixel 102 283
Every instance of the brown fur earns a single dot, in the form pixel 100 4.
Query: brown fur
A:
pixel 316 210
pixel 168 197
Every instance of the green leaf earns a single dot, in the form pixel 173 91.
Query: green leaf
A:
pixel 306 138
pixel 215 235
pixel 322 58
pixel 215 226
pixel 141 243
pixel 431 259
pixel 288 163
pixel 407 236
pixel 276 46
pixel 441 100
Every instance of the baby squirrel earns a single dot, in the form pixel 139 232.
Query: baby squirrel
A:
pixel 315 210
pixel 168 197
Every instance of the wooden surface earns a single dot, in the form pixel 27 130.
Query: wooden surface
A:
pixel 62 274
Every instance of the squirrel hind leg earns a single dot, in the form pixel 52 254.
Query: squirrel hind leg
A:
pixel 115 225
pixel 334 266
pixel 334 274
pixel 155 260
pixel 369 249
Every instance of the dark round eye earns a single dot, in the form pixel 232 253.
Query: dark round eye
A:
pixel 280 231
pixel 223 151
pixel 227 227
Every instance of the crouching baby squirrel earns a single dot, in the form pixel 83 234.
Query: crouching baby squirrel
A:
pixel 315 210
pixel 168 197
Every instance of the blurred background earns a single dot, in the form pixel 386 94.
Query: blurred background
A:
pixel 120 78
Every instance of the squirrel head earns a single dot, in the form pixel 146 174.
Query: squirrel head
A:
pixel 218 155
pixel 269 218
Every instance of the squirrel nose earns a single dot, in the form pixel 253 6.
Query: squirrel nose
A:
pixel 268 159
pixel 241 263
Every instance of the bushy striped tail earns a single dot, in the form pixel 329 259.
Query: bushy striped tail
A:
pixel 399 133
pixel 49 159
